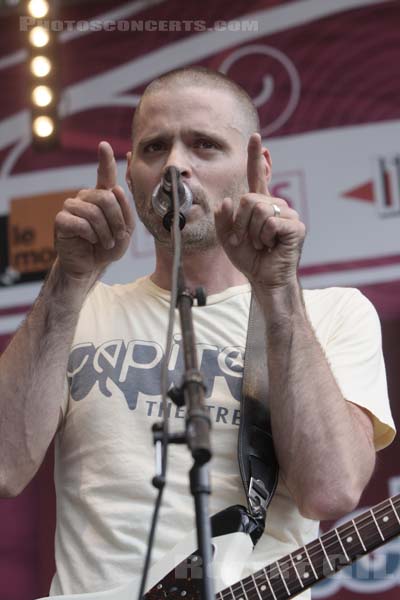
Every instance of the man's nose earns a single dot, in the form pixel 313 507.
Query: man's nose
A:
pixel 178 157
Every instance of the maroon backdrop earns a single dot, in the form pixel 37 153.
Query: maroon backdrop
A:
pixel 348 65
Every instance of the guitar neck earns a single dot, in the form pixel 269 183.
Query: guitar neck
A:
pixel 322 557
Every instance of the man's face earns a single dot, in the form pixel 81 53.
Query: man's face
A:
pixel 202 133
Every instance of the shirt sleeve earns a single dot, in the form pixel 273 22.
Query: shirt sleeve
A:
pixel 354 352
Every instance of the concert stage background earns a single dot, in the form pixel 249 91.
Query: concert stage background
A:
pixel 325 77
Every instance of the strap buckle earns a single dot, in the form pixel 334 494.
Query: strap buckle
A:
pixel 258 498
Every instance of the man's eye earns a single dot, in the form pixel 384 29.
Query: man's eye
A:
pixel 153 147
pixel 205 144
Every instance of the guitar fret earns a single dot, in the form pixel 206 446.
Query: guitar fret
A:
pixel 320 558
pixel 377 526
pixel 232 592
pixel 224 594
pixel 351 540
pixel 311 565
pixel 256 586
pixel 340 542
pixel 375 523
pixel 326 555
pixel 262 585
pixel 394 510
pixel 296 571
pixel 237 590
pixel 359 536
pixel 387 521
pixel 283 579
pixel 291 575
pixel 305 567
pixel 269 584
pixel 332 559
pixel 244 591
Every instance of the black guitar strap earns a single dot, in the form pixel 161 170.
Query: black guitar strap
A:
pixel 256 454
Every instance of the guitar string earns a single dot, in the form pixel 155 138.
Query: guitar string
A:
pixel 365 521
pixel 292 581
pixel 260 579
pixel 379 510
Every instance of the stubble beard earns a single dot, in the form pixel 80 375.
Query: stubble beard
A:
pixel 197 235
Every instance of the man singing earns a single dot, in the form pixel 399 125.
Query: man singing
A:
pixel 86 363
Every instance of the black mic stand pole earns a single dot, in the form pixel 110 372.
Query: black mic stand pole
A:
pixel 198 423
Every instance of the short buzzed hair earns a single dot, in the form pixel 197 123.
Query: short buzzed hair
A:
pixel 202 76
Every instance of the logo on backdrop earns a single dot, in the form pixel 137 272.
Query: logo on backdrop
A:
pixel 291 187
pixel 272 81
pixel 384 189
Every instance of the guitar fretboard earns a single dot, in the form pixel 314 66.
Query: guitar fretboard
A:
pixel 326 555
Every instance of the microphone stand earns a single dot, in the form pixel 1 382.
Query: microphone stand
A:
pixel 191 393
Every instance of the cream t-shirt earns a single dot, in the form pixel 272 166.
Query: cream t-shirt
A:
pixel 104 452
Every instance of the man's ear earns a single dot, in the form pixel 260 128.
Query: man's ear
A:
pixel 128 173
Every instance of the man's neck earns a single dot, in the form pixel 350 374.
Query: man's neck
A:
pixel 210 269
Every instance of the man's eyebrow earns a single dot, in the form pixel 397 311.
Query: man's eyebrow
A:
pixel 196 133
pixel 156 137
pixel 211 135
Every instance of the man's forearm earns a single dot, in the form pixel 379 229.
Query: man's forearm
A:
pixel 32 379
pixel 325 456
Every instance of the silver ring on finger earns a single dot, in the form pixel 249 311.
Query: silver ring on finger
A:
pixel 277 210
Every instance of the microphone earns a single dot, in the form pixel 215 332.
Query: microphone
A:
pixel 162 199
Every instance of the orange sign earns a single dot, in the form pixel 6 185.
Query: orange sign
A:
pixel 30 231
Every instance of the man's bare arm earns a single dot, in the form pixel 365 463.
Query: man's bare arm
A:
pixel 33 377
pixel 91 231
pixel 324 444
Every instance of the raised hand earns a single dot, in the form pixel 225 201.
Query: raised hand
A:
pixel 262 236
pixel 94 228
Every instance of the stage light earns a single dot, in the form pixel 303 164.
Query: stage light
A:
pixel 38 8
pixel 40 66
pixel 39 36
pixel 43 126
pixel 42 95
pixel 42 70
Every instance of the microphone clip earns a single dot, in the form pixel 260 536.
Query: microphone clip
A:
pixel 162 198
pixel 168 219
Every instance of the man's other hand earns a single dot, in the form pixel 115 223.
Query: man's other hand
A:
pixel 262 236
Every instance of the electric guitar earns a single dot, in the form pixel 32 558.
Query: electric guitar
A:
pixel 232 546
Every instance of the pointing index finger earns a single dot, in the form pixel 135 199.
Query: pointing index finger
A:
pixel 256 173
pixel 107 169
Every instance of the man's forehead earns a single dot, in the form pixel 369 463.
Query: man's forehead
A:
pixel 201 105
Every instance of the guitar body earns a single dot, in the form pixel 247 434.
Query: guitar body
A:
pixel 177 576
pixel 232 546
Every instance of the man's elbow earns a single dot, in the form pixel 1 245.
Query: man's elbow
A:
pixel 10 487
pixel 332 500
pixel 329 506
